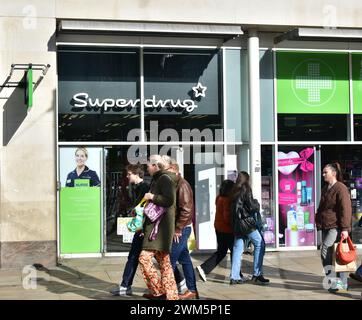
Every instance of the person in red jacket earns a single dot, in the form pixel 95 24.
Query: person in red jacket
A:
pixel 224 232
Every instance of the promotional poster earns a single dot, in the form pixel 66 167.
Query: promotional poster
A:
pixel 80 200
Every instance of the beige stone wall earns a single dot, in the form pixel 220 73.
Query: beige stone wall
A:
pixel 27 149
pixel 246 12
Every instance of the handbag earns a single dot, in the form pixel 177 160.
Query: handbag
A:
pixel 155 213
pixel 350 267
pixel 343 255
pixel 136 223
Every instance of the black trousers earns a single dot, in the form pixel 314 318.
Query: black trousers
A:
pixel 225 241
pixel 132 261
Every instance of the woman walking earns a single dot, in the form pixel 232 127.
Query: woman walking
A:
pixel 224 233
pixel 162 193
pixel 244 225
pixel 334 219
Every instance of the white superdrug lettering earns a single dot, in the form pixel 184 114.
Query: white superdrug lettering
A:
pixel 82 100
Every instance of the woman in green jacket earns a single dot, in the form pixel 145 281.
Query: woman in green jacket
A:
pixel 162 193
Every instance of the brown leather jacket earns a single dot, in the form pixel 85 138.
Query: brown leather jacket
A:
pixel 335 209
pixel 185 208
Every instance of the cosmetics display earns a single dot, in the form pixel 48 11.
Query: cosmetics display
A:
pixel 296 197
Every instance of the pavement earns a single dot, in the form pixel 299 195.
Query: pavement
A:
pixel 293 276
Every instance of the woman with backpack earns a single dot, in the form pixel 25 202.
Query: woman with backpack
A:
pixel 243 209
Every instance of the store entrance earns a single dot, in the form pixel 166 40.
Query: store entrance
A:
pixel 201 166
pixel 350 159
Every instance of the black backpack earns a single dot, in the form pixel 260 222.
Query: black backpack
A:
pixel 242 215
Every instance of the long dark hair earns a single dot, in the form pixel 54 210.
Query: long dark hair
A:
pixel 226 187
pixel 336 167
pixel 239 185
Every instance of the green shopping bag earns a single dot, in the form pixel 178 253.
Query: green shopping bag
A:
pixel 136 223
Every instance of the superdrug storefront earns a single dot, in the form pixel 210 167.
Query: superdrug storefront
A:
pixel 122 104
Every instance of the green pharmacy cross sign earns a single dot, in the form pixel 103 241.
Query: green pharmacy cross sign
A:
pixel 312 82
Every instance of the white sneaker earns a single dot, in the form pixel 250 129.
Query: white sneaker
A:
pixel 122 291
pixel 201 273
pixel 181 286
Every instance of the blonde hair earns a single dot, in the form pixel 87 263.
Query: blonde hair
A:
pixel 82 149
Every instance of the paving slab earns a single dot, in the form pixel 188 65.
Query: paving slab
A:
pixel 293 275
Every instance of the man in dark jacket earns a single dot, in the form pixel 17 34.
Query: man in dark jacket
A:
pixel 135 175
pixel 162 193
pixel 185 211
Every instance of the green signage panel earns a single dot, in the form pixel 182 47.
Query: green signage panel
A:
pixel 357 82
pixel 29 88
pixel 312 82
pixel 80 220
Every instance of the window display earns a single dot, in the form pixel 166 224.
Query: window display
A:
pixel 296 196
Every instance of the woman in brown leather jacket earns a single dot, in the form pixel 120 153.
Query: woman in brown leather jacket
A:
pixel 334 219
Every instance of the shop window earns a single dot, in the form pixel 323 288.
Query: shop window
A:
pixel 296 175
pixel 313 127
pixel 98 98
pixel 182 95
pixel 236 90
pixel 357 127
pixel 202 166
pixel 350 159
pixel 236 160
pixel 312 96
pixel 268 196
pixel 266 96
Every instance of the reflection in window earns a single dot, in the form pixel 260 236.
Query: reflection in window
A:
pixel 312 127
pixel 267 195
pixel 185 87
pixel 96 127
pixel 358 127
pixel 98 97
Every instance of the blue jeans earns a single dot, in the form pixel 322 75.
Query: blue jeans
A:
pixel 180 253
pixel 329 238
pixel 259 251
pixel 132 262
